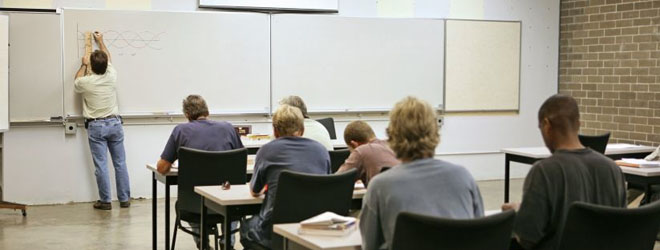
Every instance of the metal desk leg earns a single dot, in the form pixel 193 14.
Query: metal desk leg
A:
pixel 167 214
pixel 202 221
pixel 285 243
pixel 647 195
pixel 227 233
pixel 507 163
pixel 154 204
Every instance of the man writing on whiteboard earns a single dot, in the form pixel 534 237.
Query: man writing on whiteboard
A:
pixel 104 129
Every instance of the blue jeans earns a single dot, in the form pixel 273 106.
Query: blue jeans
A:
pixel 107 135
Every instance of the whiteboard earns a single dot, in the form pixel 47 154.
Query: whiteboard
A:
pixel 35 66
pixel 161 57
pixel 4 74
pixel 482 67
pixel 352 63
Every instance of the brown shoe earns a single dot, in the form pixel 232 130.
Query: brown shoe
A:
pixel 124 204
pixel 102 205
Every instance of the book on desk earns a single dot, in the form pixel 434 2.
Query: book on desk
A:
pixel 328 224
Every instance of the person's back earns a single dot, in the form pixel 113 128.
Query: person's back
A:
pixel 573 173
pixel 420 184
pixel 316 131
pixel 428 186
pixel 313 129
pixel 289 152
pixel 553 184
pixel 206 135
pixel 368 154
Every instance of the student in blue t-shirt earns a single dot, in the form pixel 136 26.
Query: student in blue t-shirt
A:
pixel 289 151
pixel 199 133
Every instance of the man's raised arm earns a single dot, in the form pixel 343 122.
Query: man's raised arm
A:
pixel 99 39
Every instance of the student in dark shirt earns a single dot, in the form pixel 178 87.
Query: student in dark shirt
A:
pixel 198 133
pixel 290 151
pixel 573 173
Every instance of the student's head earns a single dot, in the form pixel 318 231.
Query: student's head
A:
pixel 559 120
pixel 99 62
pixel 413 130
pixel 296 101
pixel 357 133
pixel 195 107
pixel 288 121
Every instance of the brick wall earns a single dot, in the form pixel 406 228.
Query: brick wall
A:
pixel 609 60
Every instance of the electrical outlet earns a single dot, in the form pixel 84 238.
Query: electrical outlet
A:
pixel 70 128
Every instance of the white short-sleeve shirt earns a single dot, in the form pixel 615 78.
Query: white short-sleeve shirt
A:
pixel 99 93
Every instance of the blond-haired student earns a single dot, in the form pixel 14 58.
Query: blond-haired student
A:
pixel 421 184
pixel 289 151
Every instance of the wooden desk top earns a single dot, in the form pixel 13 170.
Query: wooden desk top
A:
pixel 175 171
pixel 612 149
pixel 240 194
pixel 290 231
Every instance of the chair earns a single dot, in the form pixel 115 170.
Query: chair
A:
pixel 421 232
pixel 596 142
pixel 301 196
pixel 337 158
pixel 205 168
pixel 610 227
pixel 329 124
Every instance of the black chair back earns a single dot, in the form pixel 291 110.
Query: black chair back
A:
pixel 421 232
pixel 337 157
pixel 206 168
pixel 589 226
pixel 596 142
pixel 329 124
pixel 301 196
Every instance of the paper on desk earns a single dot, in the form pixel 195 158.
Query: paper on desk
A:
pixel 640 163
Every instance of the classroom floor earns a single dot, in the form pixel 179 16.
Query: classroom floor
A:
pixel 78 226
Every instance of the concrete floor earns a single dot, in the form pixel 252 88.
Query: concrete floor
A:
pixel 78 226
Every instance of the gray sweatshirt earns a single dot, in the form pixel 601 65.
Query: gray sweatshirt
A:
pixel 427 186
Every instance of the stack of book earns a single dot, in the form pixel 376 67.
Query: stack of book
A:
pixel 328 224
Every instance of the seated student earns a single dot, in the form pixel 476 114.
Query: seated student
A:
pixel 289 151
pixel 573 173
pixel 368 153
pixel 421 184
pixel 313 130
pixel 198 133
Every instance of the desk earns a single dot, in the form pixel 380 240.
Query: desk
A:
pixel 290 233
pixel 644 176
pixel 530 155
pixel 237 202
pixel 170 179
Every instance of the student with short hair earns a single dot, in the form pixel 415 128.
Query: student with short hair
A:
pixel 573 173
pixel 313 129
pixel 368 153
pixel 421 184
pixel 289 151
pixel 198 133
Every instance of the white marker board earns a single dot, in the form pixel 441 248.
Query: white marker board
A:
pixel 161 57
pixel 35 66
pixel 4 74
pixel 350 63
pixel 482 66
